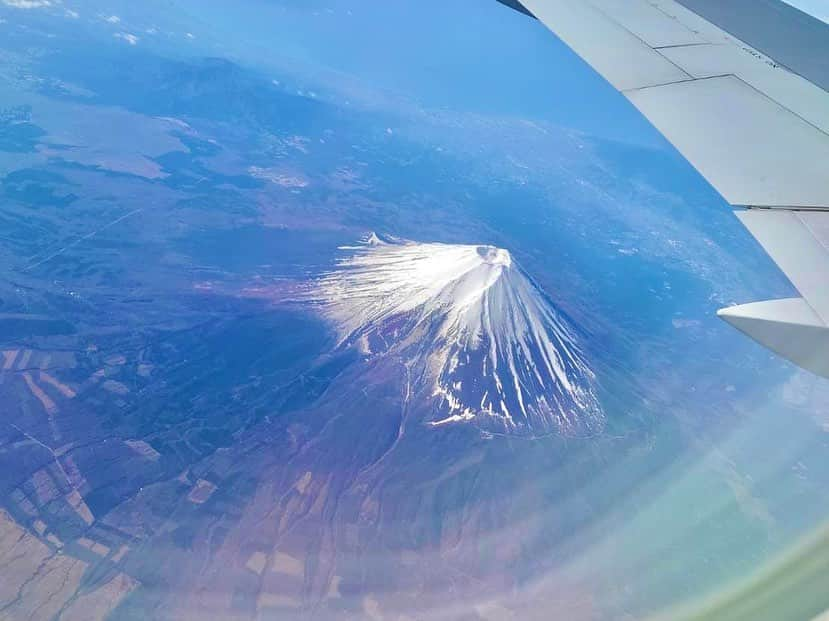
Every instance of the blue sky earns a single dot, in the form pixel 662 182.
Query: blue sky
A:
pixel 817 8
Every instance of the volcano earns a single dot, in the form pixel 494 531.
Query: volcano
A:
pixel 480 342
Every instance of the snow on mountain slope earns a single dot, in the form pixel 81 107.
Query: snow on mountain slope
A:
pixel 472 329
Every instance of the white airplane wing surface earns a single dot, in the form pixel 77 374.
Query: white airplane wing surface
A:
pixel 740 89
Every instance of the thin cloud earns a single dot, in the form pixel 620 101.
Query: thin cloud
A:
pixel 28 4
pixel 113 19
pixel 125 36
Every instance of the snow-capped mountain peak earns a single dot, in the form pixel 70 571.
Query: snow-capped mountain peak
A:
pixel 488 345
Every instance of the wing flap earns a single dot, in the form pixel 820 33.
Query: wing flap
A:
pixel 652 26
pixel 693 21
pixel 787 89
pixel 624 60
pixel 733 134
pixel 725 106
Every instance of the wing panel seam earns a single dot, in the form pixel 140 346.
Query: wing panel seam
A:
pixel 708 77
pixel 736 77
pixel 819 241
pixel 780 105
pixel 640 39
pixel 679 45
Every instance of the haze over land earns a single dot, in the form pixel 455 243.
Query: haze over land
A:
pixel 216 404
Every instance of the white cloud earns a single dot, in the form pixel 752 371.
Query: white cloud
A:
pixel 129 38
pixel 27 4
pixel 189 35
pixel 113 19
pixel 72 14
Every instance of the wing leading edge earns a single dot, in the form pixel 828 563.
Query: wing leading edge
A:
pixel 757 130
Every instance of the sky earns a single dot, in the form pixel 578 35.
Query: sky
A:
pixel 816 8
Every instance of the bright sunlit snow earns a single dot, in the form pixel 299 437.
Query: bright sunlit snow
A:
pixel 493 348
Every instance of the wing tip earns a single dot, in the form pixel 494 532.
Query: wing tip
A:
pixel 788 327
pixel 518 6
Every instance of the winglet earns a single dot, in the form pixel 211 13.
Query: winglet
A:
pixel 789 327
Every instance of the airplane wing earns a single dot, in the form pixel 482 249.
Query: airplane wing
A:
pixel 740 89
